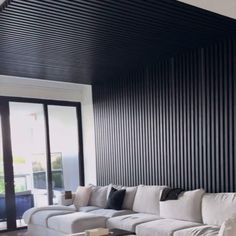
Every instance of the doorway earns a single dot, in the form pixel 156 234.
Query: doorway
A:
pixel 40 146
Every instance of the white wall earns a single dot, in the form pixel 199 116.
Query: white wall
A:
pixel 223 7
pixel 34 88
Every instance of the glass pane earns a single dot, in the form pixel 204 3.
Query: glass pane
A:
pixel 3 223
pixel 63 131
pixel 29 156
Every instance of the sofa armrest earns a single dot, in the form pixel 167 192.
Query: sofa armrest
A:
pixel 228 228
pixel 65 202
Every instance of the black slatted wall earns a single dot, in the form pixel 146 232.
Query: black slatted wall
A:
pixel 171 123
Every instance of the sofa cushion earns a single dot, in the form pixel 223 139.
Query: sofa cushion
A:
pixel 41 217
pixel 110 186
pixel 111 212
pixel 228 228
pixel 76 222
pixel 88 208
pixel 150 195
pixel 129 197
pixel 187 207
pixel 98 196
pixel 115 199
pixel 82 196
pixel 217 207
pixel 163 227
pixel 204 230
pixel 129 222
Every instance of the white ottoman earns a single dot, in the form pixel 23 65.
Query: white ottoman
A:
pixel 76 222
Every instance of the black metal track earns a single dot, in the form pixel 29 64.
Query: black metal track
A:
pixel 86 41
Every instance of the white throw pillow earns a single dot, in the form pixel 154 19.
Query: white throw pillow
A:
pixel 82 196
pixel 147 199
pixel 187 207
pixel 228 228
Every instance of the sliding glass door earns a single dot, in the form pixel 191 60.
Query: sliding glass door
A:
pixel 63 136
pixel 3 218
pixel 29 156
pixel 45 151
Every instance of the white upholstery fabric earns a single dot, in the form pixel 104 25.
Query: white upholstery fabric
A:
pixel 204 230
pixel 98 196
pixel 36 230
pixel 41 217
pixel 147 199
pixel 164 227
pixel 187 207
pixel 111 212
pixel 82 196
pixel 129 197
pixel 217 207
pixel 88 208
pixel 228 228
pixel 53 208
pixel 76 222
pixel 129 222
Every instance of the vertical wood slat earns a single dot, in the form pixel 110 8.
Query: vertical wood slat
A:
pixel 171 123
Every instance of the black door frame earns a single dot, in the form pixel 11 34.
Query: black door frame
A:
pixel 7 150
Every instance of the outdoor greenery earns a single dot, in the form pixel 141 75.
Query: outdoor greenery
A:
pixel 57 163
pixel 2 186
pixel 39 171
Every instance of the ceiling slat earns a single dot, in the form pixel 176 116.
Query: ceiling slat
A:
pixel 86 41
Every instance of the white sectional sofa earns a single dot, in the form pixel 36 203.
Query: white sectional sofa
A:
pixel 194 213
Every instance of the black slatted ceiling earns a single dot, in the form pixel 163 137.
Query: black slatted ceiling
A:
pixel 86 41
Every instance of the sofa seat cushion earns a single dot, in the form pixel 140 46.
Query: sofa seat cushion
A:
pixel 163 227
pixel 88 208
pixel 76 222
pixel 41 217
pixel 129 222
pixel 204 230
pixel 111 212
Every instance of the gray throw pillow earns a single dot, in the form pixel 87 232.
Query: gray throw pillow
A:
pixel 98 196
pixel 129 197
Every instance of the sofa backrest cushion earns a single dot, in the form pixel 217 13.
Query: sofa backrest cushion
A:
pixel 98 196
pixel 147 199
pixel 129 197
pixel 187 207
pixel 217 207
